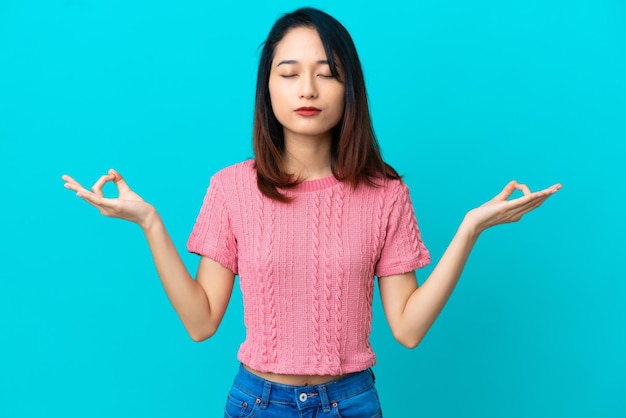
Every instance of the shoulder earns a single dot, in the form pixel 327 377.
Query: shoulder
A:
pixel 389 189
pixel 239 173
pixel 393 196
pixel 396 186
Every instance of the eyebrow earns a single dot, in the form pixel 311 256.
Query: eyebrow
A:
pixel 292 62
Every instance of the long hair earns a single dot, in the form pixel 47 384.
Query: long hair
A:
pixel 355 154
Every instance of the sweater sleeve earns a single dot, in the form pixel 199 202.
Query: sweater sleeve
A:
pixel 403 249
pixel 212 235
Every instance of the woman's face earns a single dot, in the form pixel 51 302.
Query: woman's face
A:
pixel 306 99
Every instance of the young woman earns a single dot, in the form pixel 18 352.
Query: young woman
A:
pixel 307 225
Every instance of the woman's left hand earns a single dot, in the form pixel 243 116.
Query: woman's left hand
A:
pixel 499 210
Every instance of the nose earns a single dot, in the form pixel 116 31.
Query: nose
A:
pixel 308 87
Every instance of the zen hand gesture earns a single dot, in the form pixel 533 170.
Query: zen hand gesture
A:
pixel 128 205
pixel 499 210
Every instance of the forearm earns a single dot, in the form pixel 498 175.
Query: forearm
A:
pixel 185 294
pixel 427 301
pixel 200 303
pixel 411 310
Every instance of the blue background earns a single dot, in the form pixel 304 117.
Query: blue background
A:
pixel 465 96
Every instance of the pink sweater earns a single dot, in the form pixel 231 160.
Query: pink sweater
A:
pixel 307 267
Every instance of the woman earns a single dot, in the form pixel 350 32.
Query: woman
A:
pixel 307 225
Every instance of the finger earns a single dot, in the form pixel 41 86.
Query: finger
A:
pixel 532 203
pixel 517 215
pixel 512 208
pixel 119 181
pixel 99 184
pixel 523 205
pixel 554 188
pixel 72 184
pixel 507 191
pixel 528 199
pixel 68 179
pixel 96 200
pixel 548 190
pixel 524 189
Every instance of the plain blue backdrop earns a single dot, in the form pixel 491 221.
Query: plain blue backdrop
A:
pixel 465 96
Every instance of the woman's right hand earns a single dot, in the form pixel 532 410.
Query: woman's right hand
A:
pixel 128 205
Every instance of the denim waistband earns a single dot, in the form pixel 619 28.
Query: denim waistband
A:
pixel 324 394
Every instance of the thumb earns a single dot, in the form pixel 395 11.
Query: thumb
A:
pixel 119 181
pixel 507 191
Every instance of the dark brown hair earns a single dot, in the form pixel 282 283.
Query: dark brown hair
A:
pixel 355 154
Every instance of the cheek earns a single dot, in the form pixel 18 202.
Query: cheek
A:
pixel 272 92
pixel 340 95
pixel 275 100
pixel 340 100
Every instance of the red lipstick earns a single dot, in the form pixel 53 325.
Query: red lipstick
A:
pixel 308 111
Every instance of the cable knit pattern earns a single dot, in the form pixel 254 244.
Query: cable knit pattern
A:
pixel 327 279
pixel 261 276
pixel 315 256
pixel 338 239
pixel 379 203
pixel 307 267
pixel 271 287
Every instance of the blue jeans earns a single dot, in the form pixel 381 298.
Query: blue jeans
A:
pixel 353 396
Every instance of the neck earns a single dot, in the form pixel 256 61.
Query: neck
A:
pixel 308 158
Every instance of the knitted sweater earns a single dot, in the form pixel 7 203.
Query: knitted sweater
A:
pixel 306 268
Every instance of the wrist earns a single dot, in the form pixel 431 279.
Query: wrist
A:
pixel 470 228
pixel 151 220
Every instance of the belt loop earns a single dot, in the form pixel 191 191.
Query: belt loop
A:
pixel 372 373
pixel 324 397
pixel 265 396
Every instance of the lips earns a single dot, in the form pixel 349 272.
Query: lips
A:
pixel 308 111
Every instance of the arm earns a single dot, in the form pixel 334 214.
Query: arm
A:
pixel 199 303
pixel 411 310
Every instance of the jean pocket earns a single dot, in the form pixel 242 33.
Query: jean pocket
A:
pixel 363 405
pixel 240 405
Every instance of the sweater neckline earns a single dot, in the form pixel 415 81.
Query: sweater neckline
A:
pixel 316 184
pixel 309 185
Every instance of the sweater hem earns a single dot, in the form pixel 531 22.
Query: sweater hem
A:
pixel 313 370
pixel 198 248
